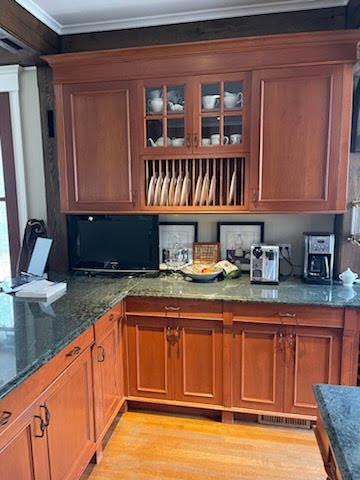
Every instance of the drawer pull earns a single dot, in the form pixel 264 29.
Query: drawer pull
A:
pixel 47 415
pixel 280 341
pixel 168 334
pixel 5 417
pixel 42 427
pixel 74 351
pixel 172 309
pixel 102 353
pixel 287 315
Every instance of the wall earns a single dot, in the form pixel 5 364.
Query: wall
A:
pixel 278 228
pixel 32 143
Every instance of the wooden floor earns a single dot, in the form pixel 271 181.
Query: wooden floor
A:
pixel 153 446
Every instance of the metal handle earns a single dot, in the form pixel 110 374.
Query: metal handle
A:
pixel 196 140
pixel 111 317
pixel 42 427
pixel 177 334
pixel 74 351
pixel 188 144
pixel 47 415
pixel 103 354
pixel 291 341
pixel 168 334
pixel 281 339
pixel 254 196
pixel 288 315
pixel 172 309
pixel 5 417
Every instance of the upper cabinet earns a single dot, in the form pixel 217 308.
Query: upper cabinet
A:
pixel 299 123
pixel 97 146
pixel 257 124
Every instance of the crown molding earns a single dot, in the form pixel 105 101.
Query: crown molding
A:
pixel 183 17
pixel 41 15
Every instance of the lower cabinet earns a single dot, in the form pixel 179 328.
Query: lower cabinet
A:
pixel 174 359
pixel 275 366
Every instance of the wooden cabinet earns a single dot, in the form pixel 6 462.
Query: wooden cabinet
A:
pixel 107 367
pixel 97 150
pixel 175 359
pixel 300 123
pixel 275 366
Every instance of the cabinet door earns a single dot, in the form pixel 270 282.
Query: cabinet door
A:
pixel 199 361
pixel 258 366
pixel 106 358
pixel 97 139
pixel 150 364
pixel 71 430
pixel 23 448
pixel 313 355
pixel 299 149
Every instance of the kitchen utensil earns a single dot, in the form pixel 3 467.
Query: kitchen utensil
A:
pixel 154 94
pixel 232 100
pixel 202 273
pixel 348 277
pixel 235 138
pixel 150 196
pixel 160 142
pixel 177 142
pixel 155 105
pixel 205 141
pixel 210 102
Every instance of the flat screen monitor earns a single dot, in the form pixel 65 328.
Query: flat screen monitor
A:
pixel 114 243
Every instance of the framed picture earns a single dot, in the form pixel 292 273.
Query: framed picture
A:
pixel 183 234
pixel 236 239
pixel 206 252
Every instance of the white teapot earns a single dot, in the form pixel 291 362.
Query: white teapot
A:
pixel 348 277
pixel 159 142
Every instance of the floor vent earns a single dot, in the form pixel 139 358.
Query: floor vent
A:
pixel 284 421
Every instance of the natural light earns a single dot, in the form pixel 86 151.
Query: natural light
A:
pixel 4 238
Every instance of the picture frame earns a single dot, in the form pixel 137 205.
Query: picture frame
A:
pixel 206 252
pixel 236 239
pixel 184 233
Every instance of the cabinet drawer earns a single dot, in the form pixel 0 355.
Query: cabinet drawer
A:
pixel 106 321
pixel 174 308
pixel 17 401
pixel 285 314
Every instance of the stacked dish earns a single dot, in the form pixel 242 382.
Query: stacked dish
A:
pixel 168 191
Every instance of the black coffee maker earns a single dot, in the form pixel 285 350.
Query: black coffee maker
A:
pixel 319 257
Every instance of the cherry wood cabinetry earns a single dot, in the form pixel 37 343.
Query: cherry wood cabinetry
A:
pixel 269 115
pixel 97 150
pixel 297 157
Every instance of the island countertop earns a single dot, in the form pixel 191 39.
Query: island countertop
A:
pixel 339 408
pixel 32 333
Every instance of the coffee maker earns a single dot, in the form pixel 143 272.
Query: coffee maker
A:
pixel 319 257
pixel 264 264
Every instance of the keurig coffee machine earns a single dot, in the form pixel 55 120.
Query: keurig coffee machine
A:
pixel 319 257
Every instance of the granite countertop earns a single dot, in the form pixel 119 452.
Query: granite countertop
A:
pixel 31 333
pixel 339 408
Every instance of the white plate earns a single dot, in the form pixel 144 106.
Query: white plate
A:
pixel 212 190
pixel 158 191
pixel 150 196
pixel 231 190
pixel 177 191
pixel 197 191
pixel 164 191
pixel 204 190
pixel 171 191
pixel 185 190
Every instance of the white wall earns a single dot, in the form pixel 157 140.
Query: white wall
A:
pixel 32 143
pixel 278 228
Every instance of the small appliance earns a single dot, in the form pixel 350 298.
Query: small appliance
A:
pixel 319 257
pixel 264 264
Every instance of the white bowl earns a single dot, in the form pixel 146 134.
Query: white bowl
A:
pixel 198 276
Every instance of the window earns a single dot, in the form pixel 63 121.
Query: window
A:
pixel 9 223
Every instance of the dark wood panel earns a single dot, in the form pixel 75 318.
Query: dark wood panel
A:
pixel 303 21
pixel 353 14
pixel 56 221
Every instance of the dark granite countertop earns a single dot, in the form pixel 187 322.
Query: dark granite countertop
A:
pixel 339 408
pixel 31 333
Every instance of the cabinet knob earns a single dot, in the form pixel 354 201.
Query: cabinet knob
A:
pixel 196 140
pixel 177 334
pixel 255 197
pixel 5 417
pixel 75 351
pixel 281 338
pixel 111 317
pixel 168 334
pixel 188 144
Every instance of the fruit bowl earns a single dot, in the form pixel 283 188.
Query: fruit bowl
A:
pixel 201 273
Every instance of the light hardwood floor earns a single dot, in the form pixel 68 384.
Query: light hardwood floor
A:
pixel 153 446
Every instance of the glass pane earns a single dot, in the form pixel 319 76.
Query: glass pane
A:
pixel 154 133
pixel 2 185
pixel 154 101
pixel 175 127
pixel 210 97
pixel 233 95
pixel 175 99
pixel 210 131
pixel 233 130
pixel 5 269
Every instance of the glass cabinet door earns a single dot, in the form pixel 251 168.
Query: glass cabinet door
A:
pixel 165 116
pixel 221 114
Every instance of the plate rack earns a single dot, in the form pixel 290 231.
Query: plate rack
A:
pixel 194 183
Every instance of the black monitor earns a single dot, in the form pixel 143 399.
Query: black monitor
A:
pixel 114 243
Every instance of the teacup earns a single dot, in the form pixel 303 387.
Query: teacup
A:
pixel 215 139
pixel 155 94
pixel 205 141
pixel 210 102
pixel 155 105
pixel 232 100
pixel 177 142
pixel 235 138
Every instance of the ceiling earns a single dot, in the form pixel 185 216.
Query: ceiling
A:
pixel 79 16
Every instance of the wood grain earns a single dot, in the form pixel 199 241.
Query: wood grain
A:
pixel 144 447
